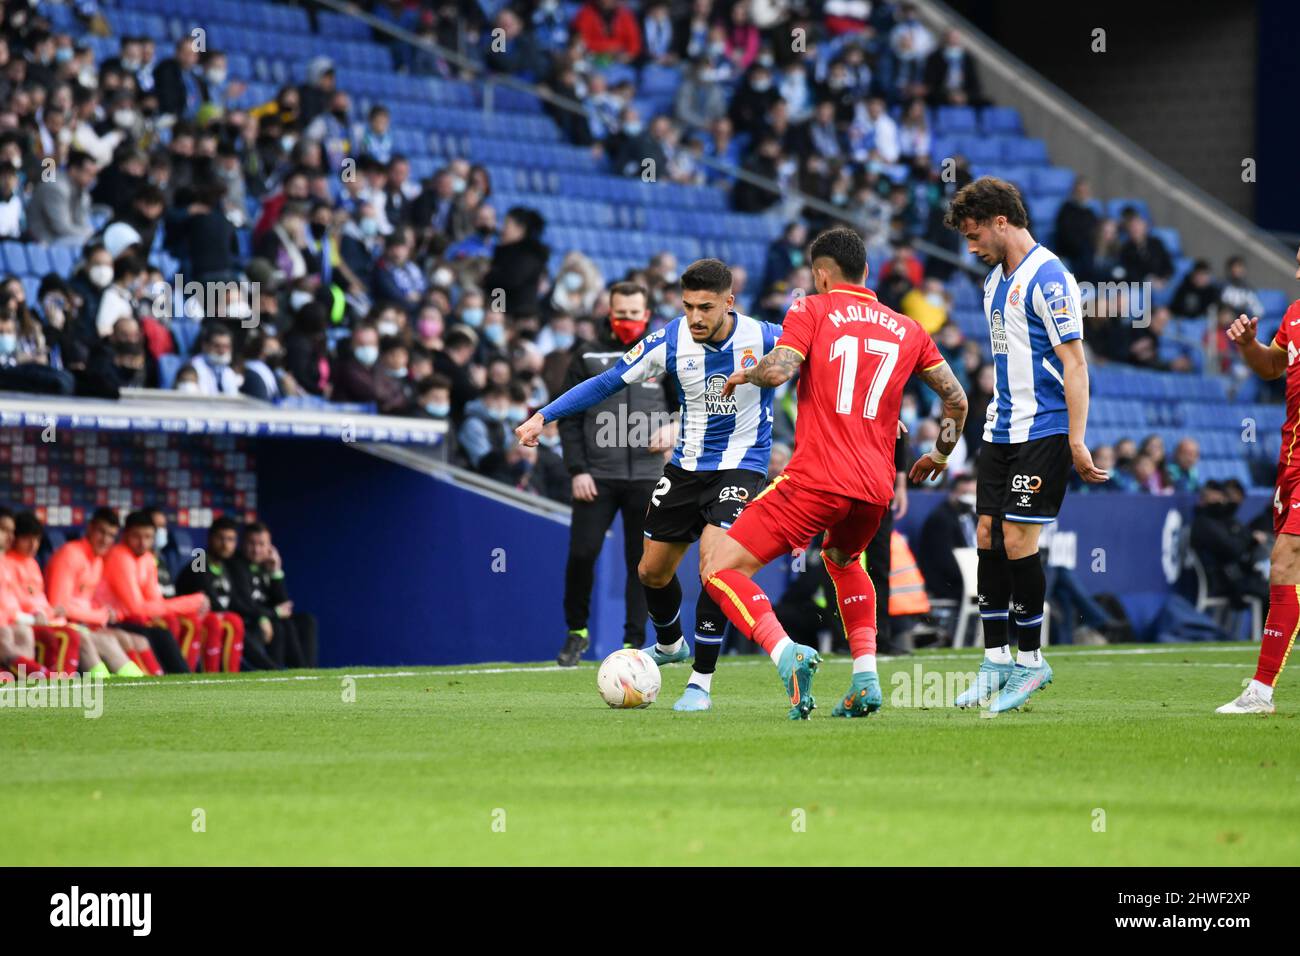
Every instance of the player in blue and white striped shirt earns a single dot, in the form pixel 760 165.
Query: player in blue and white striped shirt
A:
pixel 1033 432
pixel 719 462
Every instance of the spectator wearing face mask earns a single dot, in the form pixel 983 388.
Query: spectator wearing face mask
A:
pixel 578 284
pixel 93 276
pixel 128 361
pixel 25 373
pixel 950 525
pixel 395 362
pixel 59 210
pixel 540 470
pixel 433 398
pixel 13 218
pixel 396 277
pixel 214 363
pixel 187 381
pixel 485 433
pixel 209 239
pixel 359 377
pixel 455 362
pixel 376 140
pixel 119 299
pixel 481 242
pixel 519 262
pixel 264 368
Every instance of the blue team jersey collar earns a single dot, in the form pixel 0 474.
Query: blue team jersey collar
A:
pixel 1032 250
pixel 721 346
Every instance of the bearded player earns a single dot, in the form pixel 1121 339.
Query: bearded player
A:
pixel 1033 433
pixel 853 356
pixel 1283 619
pixel 719 462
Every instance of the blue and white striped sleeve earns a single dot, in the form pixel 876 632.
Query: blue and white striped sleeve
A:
pixel 639 363
pixel 1054 301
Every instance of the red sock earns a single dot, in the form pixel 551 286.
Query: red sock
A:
pixel 1279 631
pixel 211 644
pixel 188 637
pixel 856 596
pixel 229 629
pixel 747 607
pixel 150 663
pixel 33 667
pixel 61 646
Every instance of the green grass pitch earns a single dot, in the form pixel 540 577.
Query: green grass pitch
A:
pixel 1121 761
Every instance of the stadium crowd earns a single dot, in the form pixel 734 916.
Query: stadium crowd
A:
pixel 362 285
pixel 120 600
pixel 341 277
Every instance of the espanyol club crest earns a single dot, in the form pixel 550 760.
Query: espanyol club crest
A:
pixel 1014 297
pixel 747 360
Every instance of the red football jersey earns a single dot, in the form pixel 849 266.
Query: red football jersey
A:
pixel 857 356
pixel 1288 338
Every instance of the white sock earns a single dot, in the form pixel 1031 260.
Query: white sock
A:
pixel 777 651
pixel 864 664
pixel 702 681
pixel 1263 690
pixel 998 655
pixel 672 648
pixel 1032 658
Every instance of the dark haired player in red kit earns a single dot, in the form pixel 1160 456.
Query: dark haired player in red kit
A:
pixel 853 356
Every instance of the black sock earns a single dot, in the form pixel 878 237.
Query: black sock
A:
pixel 665 606
pixel 1028 585
pixel 710 623
pixel 993 578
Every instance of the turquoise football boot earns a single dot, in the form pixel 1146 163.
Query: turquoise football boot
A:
pixel 990 678
pixel 863 699
pixel 661 658
pixel 694 698
pixel 1024 681
pixel 798 664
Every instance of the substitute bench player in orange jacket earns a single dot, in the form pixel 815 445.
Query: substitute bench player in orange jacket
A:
pixel 17 640
pixel 853 356
pixel 94 650
pixel 130 587
pixel 72 581
pixel 1283 621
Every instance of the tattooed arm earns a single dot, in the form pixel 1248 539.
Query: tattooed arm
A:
pixel 944 384
pixel 777 367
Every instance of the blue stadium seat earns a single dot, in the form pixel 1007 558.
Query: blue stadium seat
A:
pixel 62 260
pixel 955 119
pixel 1115 207
pixel 1170 237
pixel 1275 302
pixel 1024 150
pixel 168 367
pixel 1053 181
pixel 38 259
pixel 999 119
pixel 14 257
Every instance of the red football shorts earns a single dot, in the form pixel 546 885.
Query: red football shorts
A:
pixel 1286 502
pixel 785 517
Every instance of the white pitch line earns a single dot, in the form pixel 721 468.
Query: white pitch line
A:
pixel 553 668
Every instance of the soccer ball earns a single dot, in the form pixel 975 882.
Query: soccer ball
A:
pixel 629 679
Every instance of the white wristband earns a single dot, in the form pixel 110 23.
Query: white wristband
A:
pixel 937 458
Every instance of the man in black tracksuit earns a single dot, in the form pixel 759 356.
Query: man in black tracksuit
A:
pixel 611 477
pixel 214 580
pixel 257 581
